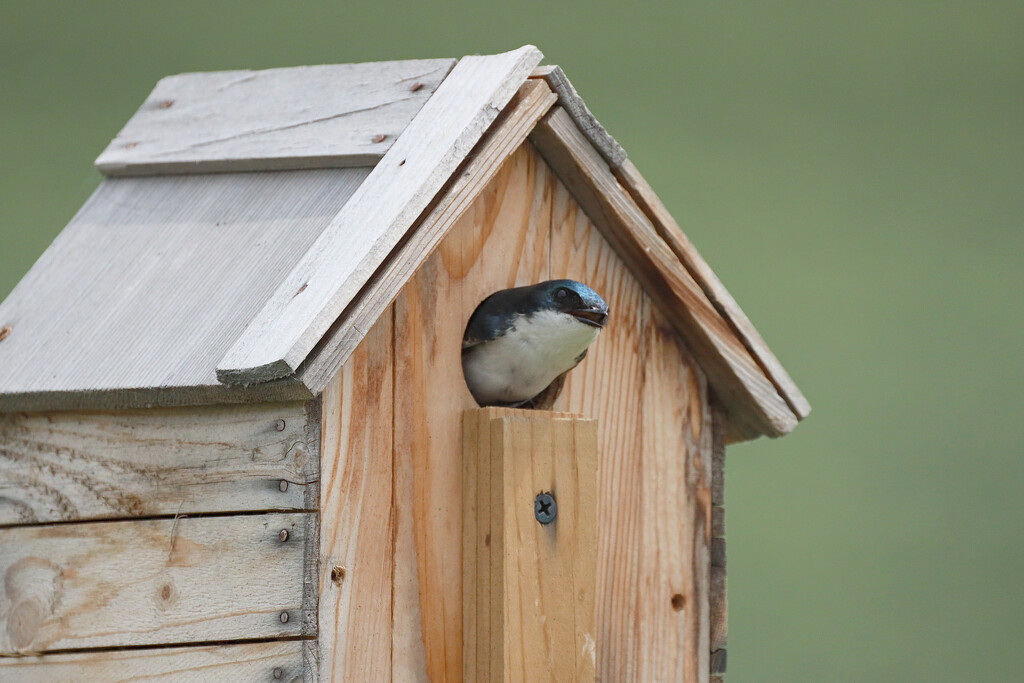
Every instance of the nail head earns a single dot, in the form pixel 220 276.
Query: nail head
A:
pixel 283 535
pixel 284 617
pixel 279 425
pixel 278 673
pixel 282 486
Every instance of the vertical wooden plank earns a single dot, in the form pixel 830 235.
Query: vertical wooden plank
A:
pixel 501 241
pixel 676 504
pixel 719 604
pixel 531 615
pixel 647 394
pixel 356 522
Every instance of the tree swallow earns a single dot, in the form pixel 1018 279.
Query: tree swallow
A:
pixel 519 341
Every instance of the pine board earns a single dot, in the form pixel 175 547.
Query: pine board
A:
pixel 152 281
pixel 301 117
pixel 356 520
pixel 377 217
pixel 736 376
pixel 156 582
pixel 531 102
pixel 62 467
pixel 270 661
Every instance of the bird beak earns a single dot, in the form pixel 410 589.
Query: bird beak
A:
pixel 595 317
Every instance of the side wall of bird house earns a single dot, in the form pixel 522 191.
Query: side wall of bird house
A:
pixel 390 578
pixel 125 536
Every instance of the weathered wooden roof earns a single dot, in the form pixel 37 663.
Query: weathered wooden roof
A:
pixel 253 226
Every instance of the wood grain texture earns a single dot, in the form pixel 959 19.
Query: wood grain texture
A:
pixel 150 284
pixel 588 124
pixel 270 661
pixel 648 396
pixel 528 588
pixel 524 228
pixel 356 522
pixel 107 584
pixel 165 461
pixel 502 241
pixel 719 602
pixel 713 288
pixel 736 376
pixel 377 217
pixel 517 120
pixel 301 117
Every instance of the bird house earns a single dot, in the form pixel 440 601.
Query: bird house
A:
pixel 236 442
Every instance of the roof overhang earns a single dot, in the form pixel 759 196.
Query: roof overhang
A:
pixel 443 134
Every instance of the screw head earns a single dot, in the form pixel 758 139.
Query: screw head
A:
pixel 284 617
pixel 282 486
pixel 283 535
pixel 545 509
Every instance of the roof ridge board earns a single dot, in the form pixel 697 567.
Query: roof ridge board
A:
pixel 365 232
pixel 321 116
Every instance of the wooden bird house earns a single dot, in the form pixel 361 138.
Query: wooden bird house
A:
pixel 235 438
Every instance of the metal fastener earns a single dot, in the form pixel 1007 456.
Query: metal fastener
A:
pixel 284 617
pixel 283 535
pixel 279 425
pixel 545 509
pixel 278 673
pixel 282 486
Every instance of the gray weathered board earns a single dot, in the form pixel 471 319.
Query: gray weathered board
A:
pixel 62 467
pixel 154 582
pixel 347 254
pixel 151 283
pixel 270 661
pixel 301 117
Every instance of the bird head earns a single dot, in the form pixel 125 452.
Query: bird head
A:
pixel 572 297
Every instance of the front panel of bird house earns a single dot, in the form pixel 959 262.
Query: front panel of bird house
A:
pixel 391 602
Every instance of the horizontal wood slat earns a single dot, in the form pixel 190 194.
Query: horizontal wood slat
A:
pixel 751 397
pixel 377 217
pixel 110 584
pixel 300 117
pixel 271 661
pixel 59 467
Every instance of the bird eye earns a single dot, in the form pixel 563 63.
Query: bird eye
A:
pixel 562 293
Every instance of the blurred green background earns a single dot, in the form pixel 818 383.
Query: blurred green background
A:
pixel 854 171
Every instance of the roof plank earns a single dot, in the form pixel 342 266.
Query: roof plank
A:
pixel 532 101
pixel 716 292
pixel 142 293
pixel 735 375
pixel 303 117
pixel 358 241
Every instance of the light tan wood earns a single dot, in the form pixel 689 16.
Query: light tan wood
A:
pixel 713 288
pixel 107 584
pixel 526 211
pixel 531 102
pixel 528 588
pixel 377 217
pixel 270 661
pixel 502 241
pixel 80 466
pixel 648 396
pixel 752 399
pixel 356 521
